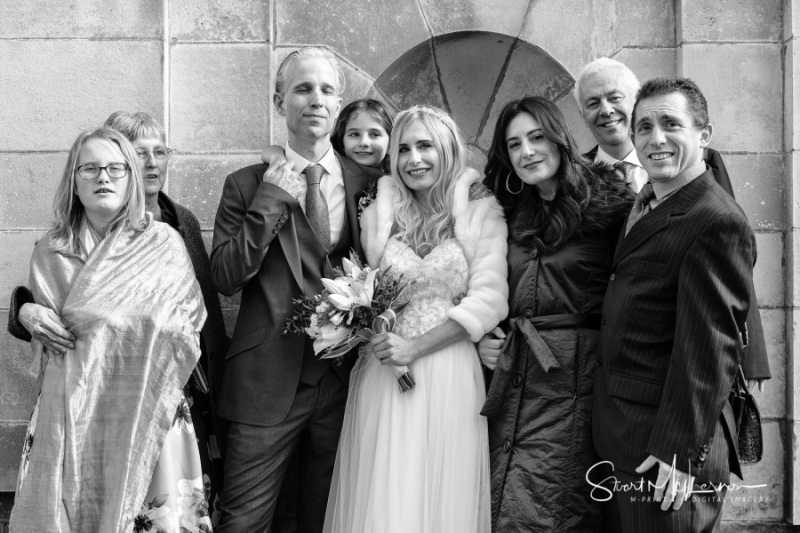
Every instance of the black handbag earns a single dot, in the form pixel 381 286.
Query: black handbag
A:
pixel 748 421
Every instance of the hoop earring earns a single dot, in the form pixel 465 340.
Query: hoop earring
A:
pixel 522 185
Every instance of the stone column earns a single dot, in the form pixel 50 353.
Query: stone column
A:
pixel 733 51
pixel 791 143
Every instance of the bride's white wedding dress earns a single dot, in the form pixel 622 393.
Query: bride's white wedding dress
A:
pixel 417 461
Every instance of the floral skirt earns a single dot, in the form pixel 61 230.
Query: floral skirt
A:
pixel 177 498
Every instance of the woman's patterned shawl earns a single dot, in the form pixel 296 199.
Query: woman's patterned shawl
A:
pixel 106 406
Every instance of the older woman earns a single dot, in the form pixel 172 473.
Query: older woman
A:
pixel 148 138
pixel 110 409
pixel 564 218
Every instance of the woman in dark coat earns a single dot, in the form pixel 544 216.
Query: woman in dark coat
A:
pixel 564 219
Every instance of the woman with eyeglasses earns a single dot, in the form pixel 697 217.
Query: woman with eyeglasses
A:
pixel 27 319
pixel 110 410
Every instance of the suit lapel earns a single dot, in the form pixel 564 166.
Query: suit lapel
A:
pixel 291 247
pixel 659 218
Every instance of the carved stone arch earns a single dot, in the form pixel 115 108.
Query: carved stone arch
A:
pixel 471 74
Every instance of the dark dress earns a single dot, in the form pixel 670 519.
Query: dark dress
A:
pixel 539 400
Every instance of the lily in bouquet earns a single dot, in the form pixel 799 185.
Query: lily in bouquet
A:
pixel 356 304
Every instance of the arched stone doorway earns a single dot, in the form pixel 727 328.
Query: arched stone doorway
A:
pixel 471 74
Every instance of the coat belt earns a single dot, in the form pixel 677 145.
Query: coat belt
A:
pixel 528 329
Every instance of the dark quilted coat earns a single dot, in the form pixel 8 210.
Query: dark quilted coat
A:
pixel 539 401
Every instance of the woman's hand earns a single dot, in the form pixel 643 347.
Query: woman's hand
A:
pixel 391 349
pixel 490 347
pixel 45 326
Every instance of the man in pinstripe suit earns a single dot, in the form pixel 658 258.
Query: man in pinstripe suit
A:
pixel 676 304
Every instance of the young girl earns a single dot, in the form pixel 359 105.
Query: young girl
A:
pixel 361 134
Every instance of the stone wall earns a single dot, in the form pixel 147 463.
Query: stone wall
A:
pixel 205 68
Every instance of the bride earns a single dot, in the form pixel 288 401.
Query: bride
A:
pixel 418 461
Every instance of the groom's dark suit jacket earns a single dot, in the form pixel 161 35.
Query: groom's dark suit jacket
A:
pixel 264 366
pixel 755 361
pixel 677 299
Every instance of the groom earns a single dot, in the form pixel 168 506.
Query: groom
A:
pixel 276 229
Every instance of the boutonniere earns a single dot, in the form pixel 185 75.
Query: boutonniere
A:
pixel 368 196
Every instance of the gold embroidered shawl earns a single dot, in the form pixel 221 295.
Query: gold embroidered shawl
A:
pixel 106 406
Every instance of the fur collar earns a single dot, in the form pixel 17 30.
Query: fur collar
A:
pixel 377 219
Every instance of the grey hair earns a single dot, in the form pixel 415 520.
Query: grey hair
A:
pixel 305 53
pixel 136 125
pixel 601 64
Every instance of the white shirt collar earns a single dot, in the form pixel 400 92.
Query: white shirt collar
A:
pixel 300 163
pixel 603 157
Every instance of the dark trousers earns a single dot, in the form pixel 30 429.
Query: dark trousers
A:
pixel 635 511
pixel 257 457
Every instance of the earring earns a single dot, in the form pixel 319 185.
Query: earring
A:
pixel 522 184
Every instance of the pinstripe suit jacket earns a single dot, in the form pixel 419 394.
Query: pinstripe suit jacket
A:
pixel 670 343
pixel 755 360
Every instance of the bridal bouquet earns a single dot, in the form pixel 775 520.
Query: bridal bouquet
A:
pixel 357 304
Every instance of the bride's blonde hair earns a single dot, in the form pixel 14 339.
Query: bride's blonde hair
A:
pixel 416 224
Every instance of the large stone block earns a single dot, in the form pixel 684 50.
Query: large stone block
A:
pixel 29 185
pixel 500 16
pixel 15 260
pixel 577 127
pixel 772 401
pixel 793 378
pixel 737 20
pixel 793 267
pixel 575 32
pixel 791 19
pixel 54 89
pixel 759 186
pixel 18 387
pixel 219 21
pixel 744 113
pixel 768 272
pixel 590 35
pixel 220 97
pixel 649 63
pixel 12 437
pixel 644 24
pixel 793 191
pixel 196 182
pixel 370 34
pixel 791 96
pixel 760 495
pixel 35 19
pixel 793 450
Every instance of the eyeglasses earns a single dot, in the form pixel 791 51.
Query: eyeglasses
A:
pixel 159 153
pixel 90 171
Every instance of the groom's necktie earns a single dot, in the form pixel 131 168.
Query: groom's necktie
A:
pixel 316 207
pixel 642 199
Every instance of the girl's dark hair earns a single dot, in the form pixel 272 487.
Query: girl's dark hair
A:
pixel 375 109
pixel 547 226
